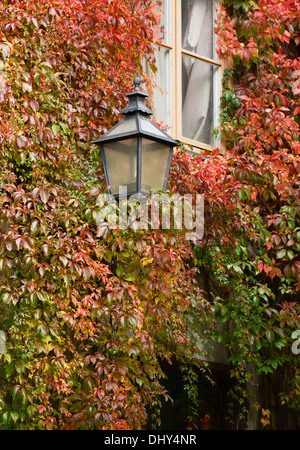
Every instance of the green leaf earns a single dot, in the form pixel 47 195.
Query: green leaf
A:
pixel 108 255
pixel 64 127
pixel 281 29
pixel 14 415
pixel 269 335
pixel 256 302
pixel 20 366
pixel 281 254
pixel 30 411
pixel 42 329
pixel 26 75
pixel 130 244
pixel 55 128
pixel 37 78
pixel 5 417
pixel 256 327
pixel 237 269
pixel 129 277
pixel 120 271
pixel 263 235
pixel 280 343
pixel 26 87
pixel 9 369
pixel 139 381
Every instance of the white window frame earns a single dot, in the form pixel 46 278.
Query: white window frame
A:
pixel 174 75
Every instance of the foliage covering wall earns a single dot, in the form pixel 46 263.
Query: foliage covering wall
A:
pixel 86 316
pixel 250 252
pixel 260 108
pixel 89 313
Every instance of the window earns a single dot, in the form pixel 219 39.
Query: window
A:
pixel 188 73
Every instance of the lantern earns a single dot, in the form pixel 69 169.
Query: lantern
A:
pixel 136 153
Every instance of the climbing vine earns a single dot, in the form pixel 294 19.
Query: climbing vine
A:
pixel 260 127
pixel 248 260
pixel 90 313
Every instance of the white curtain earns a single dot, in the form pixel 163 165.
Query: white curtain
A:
pixel 197 37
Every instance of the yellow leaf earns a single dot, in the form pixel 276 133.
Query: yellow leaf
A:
pixel 265 422
pixel 266 412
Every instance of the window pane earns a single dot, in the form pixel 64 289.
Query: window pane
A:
pixel 197 27
pixel 165 23
pixel 198 99
pixel 121 163
pixel 161 96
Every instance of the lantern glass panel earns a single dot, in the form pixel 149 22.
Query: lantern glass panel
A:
pixel 121 164
pixel 155 158
pixel 125 126
pixel 148 127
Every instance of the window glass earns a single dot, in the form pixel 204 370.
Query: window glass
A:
pixel 197 99
pixel 197 27
pixel 188 72
pixel 161 97
pixel 198 75
pixel 165 23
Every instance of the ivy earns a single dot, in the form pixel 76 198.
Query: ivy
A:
pixel 90 313
pixel 86 320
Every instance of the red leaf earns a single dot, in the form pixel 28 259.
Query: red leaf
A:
pixel 21 141
pixel 34 105
pixel 44 195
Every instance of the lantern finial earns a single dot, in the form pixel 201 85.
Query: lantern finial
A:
pixel 137 82
pixel 137 100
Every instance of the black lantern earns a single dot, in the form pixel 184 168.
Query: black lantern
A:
pixel 136 153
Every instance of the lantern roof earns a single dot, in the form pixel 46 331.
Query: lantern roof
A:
pixel 137 100
pixel 136 121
